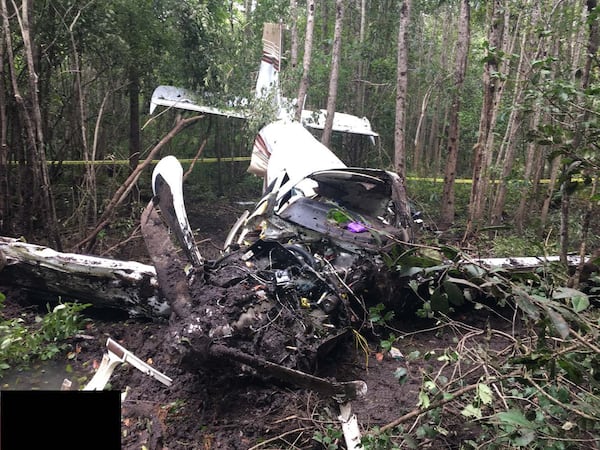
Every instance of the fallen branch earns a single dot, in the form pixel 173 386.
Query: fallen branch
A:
pixel 121 194
pixel 417 412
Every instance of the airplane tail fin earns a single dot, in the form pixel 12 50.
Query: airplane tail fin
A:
pixel 267 82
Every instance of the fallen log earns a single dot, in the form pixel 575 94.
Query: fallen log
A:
pixel 526 262
pixel 103 282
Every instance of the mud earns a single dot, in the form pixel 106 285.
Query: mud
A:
pixel 218 403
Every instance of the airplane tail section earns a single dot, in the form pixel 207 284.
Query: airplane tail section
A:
pixel 267 82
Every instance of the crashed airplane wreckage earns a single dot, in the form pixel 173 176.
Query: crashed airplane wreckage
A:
pixel 287 288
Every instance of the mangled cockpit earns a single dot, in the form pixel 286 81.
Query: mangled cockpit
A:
pixel 312 198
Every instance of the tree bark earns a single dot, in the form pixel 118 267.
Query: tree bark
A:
pixel 401 91
pixel 294 33
pixel 308 42
pixel 492 86
pixel 462 52
pixel 334 75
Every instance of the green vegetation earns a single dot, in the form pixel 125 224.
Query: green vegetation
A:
pixel 21 342
pixel 533 383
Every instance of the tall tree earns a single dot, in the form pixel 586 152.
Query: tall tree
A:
pixel 462 51
pixel 495 66
pixel 580 139
pixel 4 190
pixel 335 68
pixel 401 90
pixel 39 193
pixel 294 33
pixel 308 44
pixel 531 49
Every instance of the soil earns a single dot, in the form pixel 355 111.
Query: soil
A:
pixel 222 405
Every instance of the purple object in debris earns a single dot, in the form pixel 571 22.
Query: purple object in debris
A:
pixel 356 227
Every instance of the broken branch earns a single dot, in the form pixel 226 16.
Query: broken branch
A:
pixel 121 194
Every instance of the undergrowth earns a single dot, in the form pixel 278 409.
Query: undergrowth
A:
pixel 536 385
pixel 21 342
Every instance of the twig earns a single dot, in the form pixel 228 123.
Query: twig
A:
pixel 276 438
pixel 584 342
pixel 418 411
pixel 193 163
pixel 557 402
pixel 135 234
pixel 123 191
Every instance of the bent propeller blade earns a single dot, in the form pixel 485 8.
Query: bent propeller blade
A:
pixel 167 186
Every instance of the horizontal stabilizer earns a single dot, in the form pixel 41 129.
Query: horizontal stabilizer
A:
pixel 174 97
pixel 345 123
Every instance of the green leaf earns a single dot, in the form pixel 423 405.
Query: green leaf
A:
pixel 464 282
pixel 450 252
pixel 515 418
pixel 401 374
pixel 484 393
pixel 580 303
pixel 455 294
pixel 423 400
pixel 409 272
pixel 414 355
pixel 566 292
pixel 474 270
pixel 472 411
pixel 558 322
pixel 526 438
pixel 579 300
pixel 439 301
pixel 524 302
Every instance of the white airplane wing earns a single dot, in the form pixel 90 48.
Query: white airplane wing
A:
pixel 345 123
pixel 174 97
pixel 267 83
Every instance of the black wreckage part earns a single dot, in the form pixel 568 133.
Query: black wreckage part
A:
pixel 263 306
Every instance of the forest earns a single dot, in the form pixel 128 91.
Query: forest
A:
pixel 487 110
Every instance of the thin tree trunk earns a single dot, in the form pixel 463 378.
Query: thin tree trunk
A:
pixel 308 42
pixel 30 114
pixel 592 50
pixel 530 153
pixel 401 91
pixel 585 230
pixel 491 86
pixel 335 68
pixel 326 48
pixel 554 168
pixel 462 52
pixel 506 155
pixel 4 188
pixel 135 148
pixel 419 134
pixel 89 183
pixel 362 64
pixel 294 33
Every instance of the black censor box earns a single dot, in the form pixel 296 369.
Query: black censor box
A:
pixel 60 419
